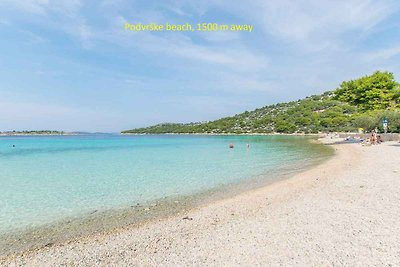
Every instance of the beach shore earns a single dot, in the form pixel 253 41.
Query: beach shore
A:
pixel 343 212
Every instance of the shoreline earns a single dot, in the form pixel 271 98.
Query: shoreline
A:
pixel 227 134
pixel 37 134
pixel 331 214
pixel 137 214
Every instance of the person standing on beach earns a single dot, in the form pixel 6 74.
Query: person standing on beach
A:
pixel 373 137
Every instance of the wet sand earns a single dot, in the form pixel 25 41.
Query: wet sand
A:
pixel 343 212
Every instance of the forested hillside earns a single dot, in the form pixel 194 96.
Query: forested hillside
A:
pixel 361 103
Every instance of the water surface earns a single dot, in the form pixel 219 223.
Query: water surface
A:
pixel 45 179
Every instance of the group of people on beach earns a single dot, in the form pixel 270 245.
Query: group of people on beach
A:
pixel 374 139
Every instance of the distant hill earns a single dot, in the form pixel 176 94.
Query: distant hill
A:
pixel 361 103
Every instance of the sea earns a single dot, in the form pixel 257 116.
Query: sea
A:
pixel 45 180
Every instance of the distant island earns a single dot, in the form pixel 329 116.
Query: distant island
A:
pixel 34 132
pixel 48 132
pixel 360 104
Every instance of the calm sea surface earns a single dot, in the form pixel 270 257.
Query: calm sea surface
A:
pixel 48 178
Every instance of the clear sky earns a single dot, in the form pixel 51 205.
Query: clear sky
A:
pixel 69 64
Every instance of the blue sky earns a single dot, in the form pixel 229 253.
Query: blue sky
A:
pixel 69 64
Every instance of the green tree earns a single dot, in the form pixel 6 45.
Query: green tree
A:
pixel 373 92
pixel 285 127
pixel 365 121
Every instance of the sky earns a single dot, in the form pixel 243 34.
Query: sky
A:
pixel 70 65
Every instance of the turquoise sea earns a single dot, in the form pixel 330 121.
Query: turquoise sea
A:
pixel 45 179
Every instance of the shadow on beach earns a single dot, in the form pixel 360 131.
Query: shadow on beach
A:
pixel 397 144
pixel 343 143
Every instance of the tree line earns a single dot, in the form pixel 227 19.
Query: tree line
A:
pixel 361 103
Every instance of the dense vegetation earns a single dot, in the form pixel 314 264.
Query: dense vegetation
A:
pixel 361 103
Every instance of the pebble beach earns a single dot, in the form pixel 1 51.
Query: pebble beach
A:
pixel 343 212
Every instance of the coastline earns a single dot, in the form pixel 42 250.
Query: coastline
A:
pixel 336 213
pixel 137 214
pixel 228 134
pixel 36 134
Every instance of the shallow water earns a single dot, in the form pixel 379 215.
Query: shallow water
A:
pixel 45 179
